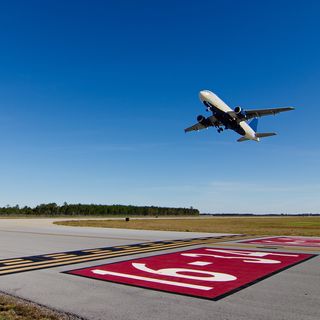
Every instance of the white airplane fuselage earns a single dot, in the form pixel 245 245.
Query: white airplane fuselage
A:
pixel 220 110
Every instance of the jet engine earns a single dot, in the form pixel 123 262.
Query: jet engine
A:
pixel 240 112
pixel 203 120
pixel 237 110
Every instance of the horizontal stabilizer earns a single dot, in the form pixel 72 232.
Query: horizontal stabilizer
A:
pixel 258 135
pixel 242 139
pixel 266 134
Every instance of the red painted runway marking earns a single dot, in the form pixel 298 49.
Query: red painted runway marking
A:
pixel 209 273
pixel 287 241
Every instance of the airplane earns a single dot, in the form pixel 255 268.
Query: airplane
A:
pixel 236 119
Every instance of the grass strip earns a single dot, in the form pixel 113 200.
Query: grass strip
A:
pixel 297 226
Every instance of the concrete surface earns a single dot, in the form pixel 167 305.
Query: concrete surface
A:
pixel 291 294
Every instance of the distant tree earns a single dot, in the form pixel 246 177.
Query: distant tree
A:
pixel 52 209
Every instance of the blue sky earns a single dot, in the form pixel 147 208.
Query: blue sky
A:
pixel 94 97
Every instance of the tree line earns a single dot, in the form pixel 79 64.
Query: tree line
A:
pixel 52 209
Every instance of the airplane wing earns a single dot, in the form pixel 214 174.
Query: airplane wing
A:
pixel 265 112
pixel 198 126
pixel 209 122
pixel 249 114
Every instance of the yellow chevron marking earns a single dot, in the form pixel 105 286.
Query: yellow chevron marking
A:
pixel 10 260
pixel 55 255
pixel 17 262
pixel 65 255
pixel 123 247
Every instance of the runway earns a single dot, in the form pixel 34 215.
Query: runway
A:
pixel 35 254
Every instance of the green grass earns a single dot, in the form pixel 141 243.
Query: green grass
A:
pixel 298 226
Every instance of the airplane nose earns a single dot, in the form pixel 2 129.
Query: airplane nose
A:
pixel 203 94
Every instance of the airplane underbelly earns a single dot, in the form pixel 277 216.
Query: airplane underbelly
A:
pixel 239 130
pixel 232 124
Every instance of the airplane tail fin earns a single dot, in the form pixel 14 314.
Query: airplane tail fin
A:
pixel 254 124
pixel 265 134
